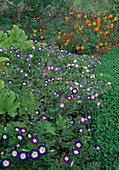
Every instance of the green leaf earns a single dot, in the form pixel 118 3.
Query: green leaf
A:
pixel 2 104
pixel 50 129
pixel 4 59
pixel 10 100
pixel 2 84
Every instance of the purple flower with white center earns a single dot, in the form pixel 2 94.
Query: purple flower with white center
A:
pixel 1 50
pixel 27 59
pixel 24 83
pixel 72 95
pixel 81 130
pixel 95 65
pixel 71 88
pixel 14 153
pixel 75 151
pixel 62 105
pixel 89 117
pixel 7 63
pixel 29 135
pixel 58 78
pixel 72 122
pixel 34 154
pixel 80 85
pixel 33 48
pixel 38 120
pixel 92 56
pixel 90 76
pixel 82 120
pixel 88 89
pixel 37 112
pixel 56 69
pixel 67 158
pixel 81 76
pixel 10 51
pixel 11 47
pixel 23 130
pixel 57 53
pixel 69 97
pixel 34 140
pixel 31 56
pixel 74 91
pixel 52 68
pixel 4 72
pixel 40 49
pixel 69 53
pixel 98 147
pixel 23 156
pixel 62 51
pixel 6 163
pixel 4 136
pixel 53 78
pixel 26 74
pixel 92 97
pixel 99 103
pixel 21 71
pixel 20 137
pixel 42 149
pixel 78 144
pixel 96 94
pixel 65 51
pixel 18 55
pixel 44 117
pixel 17 129
pixel 29 64
pixel 89 129
pixel 101 74
pixel 18 145
pixel 2 152
pixel 48 67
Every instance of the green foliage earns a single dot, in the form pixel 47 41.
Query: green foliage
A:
pixel 7 104
pixel 17 38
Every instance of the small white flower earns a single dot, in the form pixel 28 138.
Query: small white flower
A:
pixel 76 65
pixel 85 67
pixel 74 61
pixel 108 83
pixel 72 64
pixel 87 70
pixel 33 47
pixel 76 83
pixel 69 64
pixel 31 56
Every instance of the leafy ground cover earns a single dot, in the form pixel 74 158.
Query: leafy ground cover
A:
pixel 58 110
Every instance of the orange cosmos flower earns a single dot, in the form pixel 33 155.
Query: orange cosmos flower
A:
pixel 74 22
pixel 34 31
pixel 108 26
pixel 82 47
pixel 66 18
pixel 64 40
pixel 58 37
pixel 75 40
pixel 98 25
pixel 101 44
pixel 105 10
pixel 96 28
pixel 112 25
pixel 115 18
pixel 77 47
pixel 115 39
pixel 73 9
pixel 103 48
pixel 84 40
pixel 34 35
pixel 103 22
pixel 49 15
pixel 106 44
pixel 105 17
pixel 97 47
